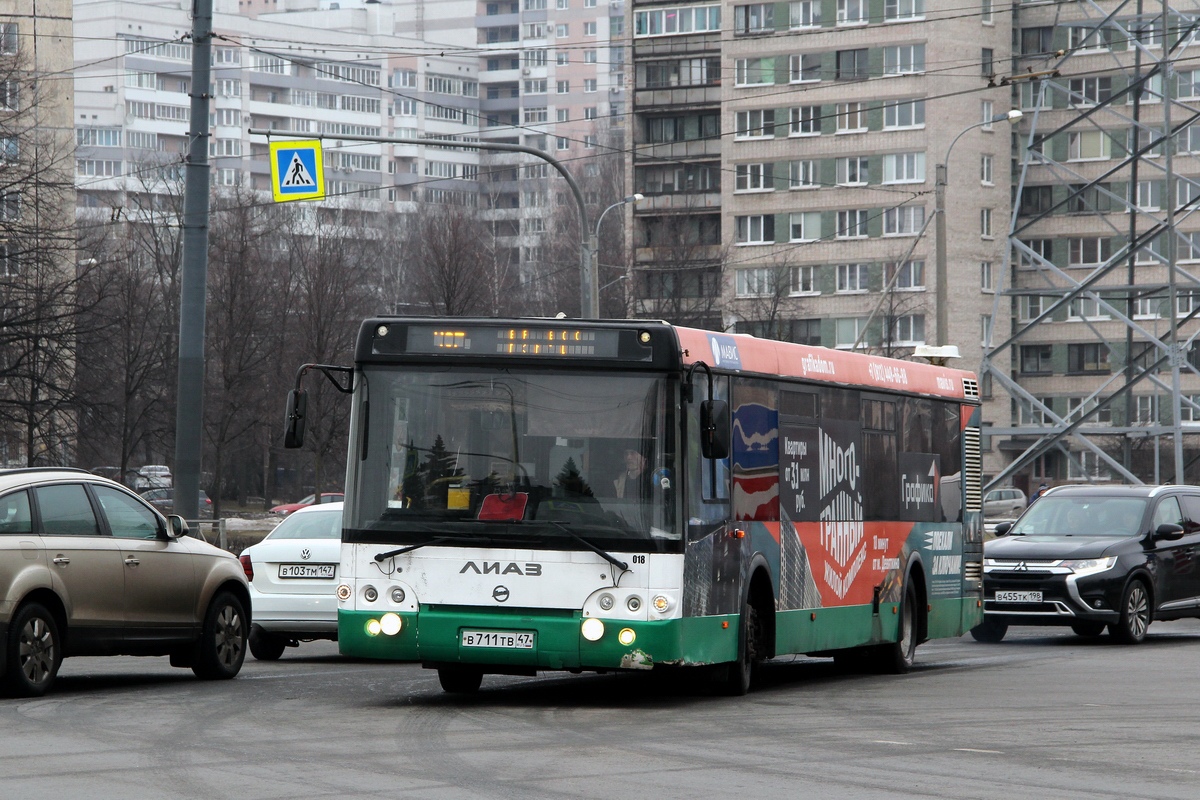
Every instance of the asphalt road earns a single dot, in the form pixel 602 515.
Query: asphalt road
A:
pixel 1044 715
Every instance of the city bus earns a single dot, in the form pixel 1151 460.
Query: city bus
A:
pixel 525 495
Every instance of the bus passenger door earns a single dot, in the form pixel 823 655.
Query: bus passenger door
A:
pixel 710 575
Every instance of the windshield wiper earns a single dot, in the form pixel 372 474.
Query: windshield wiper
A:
pixel 436 540
pixel 616 562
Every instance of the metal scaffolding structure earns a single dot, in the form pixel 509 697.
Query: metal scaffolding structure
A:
pixel 1100 236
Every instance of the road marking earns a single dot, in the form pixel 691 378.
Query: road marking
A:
pixel 885 741
pixel 974 750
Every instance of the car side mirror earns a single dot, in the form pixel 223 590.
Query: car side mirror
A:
pixel 293 421
pixel 1003 528
pixel 177 528
pixel 714 429
pixel 1169 531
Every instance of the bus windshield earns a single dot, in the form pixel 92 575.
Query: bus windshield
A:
pixel 535 458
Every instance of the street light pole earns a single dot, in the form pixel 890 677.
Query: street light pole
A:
pixel 939 202
pixel 594 249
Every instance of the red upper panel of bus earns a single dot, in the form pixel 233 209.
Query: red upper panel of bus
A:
pixel 750 354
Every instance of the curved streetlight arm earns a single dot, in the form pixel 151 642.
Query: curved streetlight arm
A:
pixel 594 246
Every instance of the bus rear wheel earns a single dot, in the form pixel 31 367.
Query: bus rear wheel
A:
pixel 896 658
pixel 460 680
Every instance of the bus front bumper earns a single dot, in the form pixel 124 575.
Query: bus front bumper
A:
pixel 536 639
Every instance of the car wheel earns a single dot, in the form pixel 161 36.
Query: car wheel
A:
pixel 33 652
pixel 740 674
pixel 460 680
pixel 1088 629
pixel 897 658
pixel 222 646
pixel 989 631
pixel 265 646
pixel 1135 614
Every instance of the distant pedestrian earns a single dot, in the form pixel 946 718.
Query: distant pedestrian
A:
pixel 1041 490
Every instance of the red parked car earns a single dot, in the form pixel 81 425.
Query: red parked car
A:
pixel 311 500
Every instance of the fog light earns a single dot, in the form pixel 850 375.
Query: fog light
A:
pixel 390 624
pixel 633 603
pixel 626 636
pixel 592 629
pixel 661 604
pixel 397 595
pixel 370 594
pixel 344 592
pixel 606 602
pixel 373 627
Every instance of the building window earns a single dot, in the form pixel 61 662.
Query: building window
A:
pixel 589 29
pixel 903 9
pixel 1080 407
pixel 804 281
pixel 852 64
pixel 1032 412
pixel 852 224
pixel 986 15
pixel 1146 411
pixel 1090 91
pixel 1030 307
pixel 905 59
pixel 802 174
pixel 754 282
pixel 754 177
pixel 756 229
pixel 852 12
pixel 987 111
pixel 847 331
pixel 805 226
pixel 852 278
pixel 804 14
pixel 1082 39
pixel 755 124
pixel 908 330
pixel 1089 251
pixel 904 114
pixel 851 117
pixel 807 331
pixel 589 85
pixel 1089 146
pixel 903 221
pixel 987 62
pixel 985 223
pixel 804 121
pixel 1036 359
pixel 754 72
pixel 906 275
pixel 985 171
pixel 904 168
pixel 852 171
pixel 1089 308
pixel 985 330
pixel 986 281
pixel 804 68
pixel 8 38
pixel 754 18
pixel 1037 41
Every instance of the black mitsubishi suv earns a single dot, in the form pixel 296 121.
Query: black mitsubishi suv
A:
pixel 1093 557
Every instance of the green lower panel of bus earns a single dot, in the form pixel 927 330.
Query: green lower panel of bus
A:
pixel 547 639
pixel 537 639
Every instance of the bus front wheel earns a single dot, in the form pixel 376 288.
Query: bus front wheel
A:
pixel 460 680
pixel 740 674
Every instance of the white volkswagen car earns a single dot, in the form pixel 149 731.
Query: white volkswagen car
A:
pixel 293 576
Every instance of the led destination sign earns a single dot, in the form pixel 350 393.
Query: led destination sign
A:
pixel 554 342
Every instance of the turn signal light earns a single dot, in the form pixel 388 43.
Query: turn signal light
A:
pixel 344 592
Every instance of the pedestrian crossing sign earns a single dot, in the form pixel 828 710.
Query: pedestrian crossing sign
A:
pixel 297 171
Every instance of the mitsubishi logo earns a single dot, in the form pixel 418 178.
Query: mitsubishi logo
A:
pixel 500 594
pixel 1021 566
pixel 306 554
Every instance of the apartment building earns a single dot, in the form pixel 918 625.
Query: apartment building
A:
pixel 1104 202
pixel 788 151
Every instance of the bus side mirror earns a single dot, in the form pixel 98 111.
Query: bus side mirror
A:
pixel 714 429
pixel 293 422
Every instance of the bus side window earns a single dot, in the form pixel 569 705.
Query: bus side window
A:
pixel 709 502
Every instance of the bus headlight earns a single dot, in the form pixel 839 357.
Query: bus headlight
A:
pixel 344 592
pixel 592 629
pixel 626 636
pixel 634 603
pixel 397 595
pixel 370 594
pixel 661 604
pixel 605 602
pixel 390 624
pixel 373 627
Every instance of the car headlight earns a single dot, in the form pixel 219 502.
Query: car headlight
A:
pixel 1089 566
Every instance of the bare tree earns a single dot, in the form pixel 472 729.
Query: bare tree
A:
pixel 444 254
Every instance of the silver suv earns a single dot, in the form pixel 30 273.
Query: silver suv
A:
pixel 89 568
